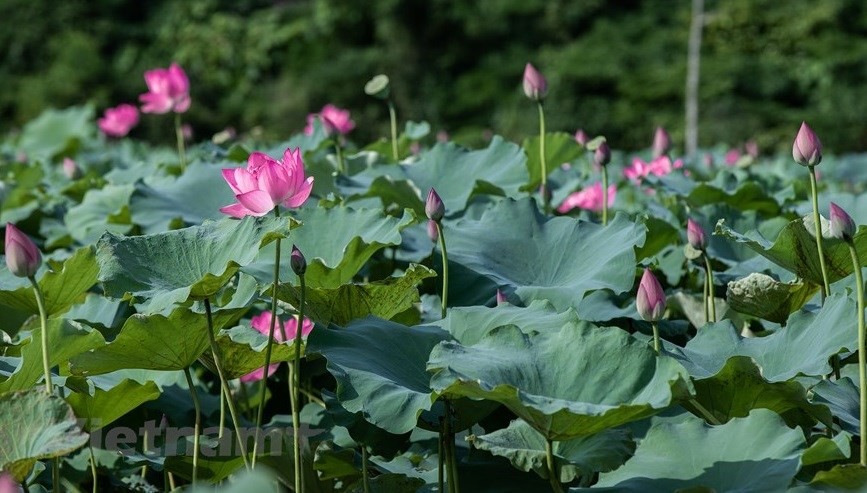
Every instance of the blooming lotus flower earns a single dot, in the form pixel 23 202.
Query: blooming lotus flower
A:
pixel 168 90
pixel 266 183
pixel 433 207
pixel 588 199
pixel 22 256
pixel 661 142
pixel 695 235
pixel 336 119
pixel 842 224
pixel 581 137
pixel 535 85
pixel 650 301
pixel 297 261
pixel 71 169
pixel 118 121
pixel 262 323
pixel 660 166
pixel 807 148
pixel 732 157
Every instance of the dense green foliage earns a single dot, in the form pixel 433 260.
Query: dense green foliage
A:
pixel 613 67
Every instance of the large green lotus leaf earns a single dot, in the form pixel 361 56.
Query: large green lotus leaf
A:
pixel 194 262
pixel 383 299
pixel 66 339
pixel 753 454
pixel 454 172
pixel 105 209
pixel 560 148
pixel 739 388
pixel 63 286
pixel 575 382
pixel 35 425
pixel 56 131
pixel 259 481
pixel 559 259
pixel 824 449
pixel 843 398
pixel 194 197
pixel 105 406
pixel 803 347
pixel 336 243
pixel 380 369
pixel 155 342
pixel 525 449
pixel 842 477
pixel 242 350
pixel 762 296
pixel 732 188
pixel 795 249
pixel 471 323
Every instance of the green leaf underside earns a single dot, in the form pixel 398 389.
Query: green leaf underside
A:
pixel 62 287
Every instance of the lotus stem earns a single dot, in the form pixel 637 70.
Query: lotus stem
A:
pixel 179 135
pixel 826 287
pixel 93 474
pixel 364 472
pixel 215 352
pixel 604 196
pixel 706 301
pixel 43 322
pixel 441 459
pixel 552 470
pixel 445 299
pixel 710 296
pixel 655 336
pixel 222 427
pixel 341 164
pixel 198 427
pixel 707 415
pixel 862 351
pixel 393 117
pixel 543 159
pixel 296 363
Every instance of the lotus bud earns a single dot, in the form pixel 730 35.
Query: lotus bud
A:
pixel 581 137
pixel 71 169
pixel 661 143
pixel 807 149
pixel 297 261
pixel 752 148
pixel 650 301
pixel 695 235
pixel 378 87
pixel 501 298
pixel 432 232
pixel 842 225
pixel 535 85
pixel 434 207
pixel 22 256
pixel 8 484
pixel 602 154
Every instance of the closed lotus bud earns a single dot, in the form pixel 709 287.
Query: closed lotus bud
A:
pixel 602 154
pixel 661 143
pixel 432 231
pixel 842 225
pixel 695 235
pixel 22 256
pixel 434 207
pixel 650 302
pixel 807 149
pixel 535 85
pixel 581 137
pixel 71 169
pixel 297 261
pixel 501 298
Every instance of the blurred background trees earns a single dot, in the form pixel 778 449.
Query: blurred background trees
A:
pixel 616 68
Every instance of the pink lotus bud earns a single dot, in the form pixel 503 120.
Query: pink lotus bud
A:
pixel 8 484
pixel 752 148
pixel 432 232
pixel 581 137
pixel 71 169
pixel 842 224
pixel 661 143
pixel 535 86
pixel 434 207
pixel 807 149
pixel 297 261
pixel 118 121
pixel 650 301
pixel 695 235
pixel 501 298
pixel 602 154
pixel 22 256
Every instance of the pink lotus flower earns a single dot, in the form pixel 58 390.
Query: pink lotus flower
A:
pixel 22 255
pixel 71 169
pixel 589 199
pixel 732 157
pixel 262 323
pixel 807 148
pixel 535 85
pixel 335 120
pixel 266 183
pixel 118 121
pixel 168 90
pixel 8 484
pixel 661 143
pixel 650 302
pixel 660 166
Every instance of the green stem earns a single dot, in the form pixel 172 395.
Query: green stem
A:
pixel 706 307
pixel 453 454
pixel 441 459
pixel 269 346
pixel 826 287
pixel 709 281
pixel 223 412
pixel 93 469
pixel 198 429
pixel 296 363
pixel 447 448
pixel 862 351
pixel 393 116
pixel 707 415
pixel 364 472
pixel 215 353
pixel 552 470
pixel 43 322
pixel 655 336
pixel 604 196
pixel 341 165
pixel 179 135
pixel 55 476
pixel 445 299
pixel 543 159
